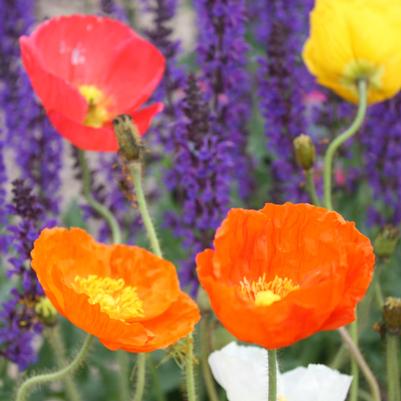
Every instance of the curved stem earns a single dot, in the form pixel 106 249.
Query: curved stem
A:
pixel 393 367
pixel 337 142
pixel 311 187
pixel 272 367
pixel 189 370
pixel 136 172
pixel 56 342
pixel 357 355
pixel 204 351
pixel 97 206
pixel 354 365
pixel 36 381
pixel 140 377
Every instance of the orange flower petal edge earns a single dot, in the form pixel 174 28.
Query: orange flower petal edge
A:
pixel 86 70
pixel 285 272
pixel 124 295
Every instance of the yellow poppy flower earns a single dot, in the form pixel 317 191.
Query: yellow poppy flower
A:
pixel 352 40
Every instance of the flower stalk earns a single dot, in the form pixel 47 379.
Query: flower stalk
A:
pixel 140 377
pixel 204 344
pixel 272 366
pixel 337 142
pixel 189 370
pixel 57 344
pixel 28 385
pixel 93 203
pixel 393 367
pixel 311 187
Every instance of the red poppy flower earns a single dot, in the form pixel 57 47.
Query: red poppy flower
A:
pixel 86 70
pixel 283 273
pixel 124 295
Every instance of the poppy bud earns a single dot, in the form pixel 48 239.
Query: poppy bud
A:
pixel 129 141
pixel 386 241
pixel 46 312
pixel 305 153
pixel 392 316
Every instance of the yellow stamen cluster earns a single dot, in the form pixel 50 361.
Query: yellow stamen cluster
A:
pixel 97 111
pixel 264 293
pixel 118 300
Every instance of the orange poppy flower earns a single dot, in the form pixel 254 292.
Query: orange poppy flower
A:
pixel 285 272
pixel 86 70
pixel 124 295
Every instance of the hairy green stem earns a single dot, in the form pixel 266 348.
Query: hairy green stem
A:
pixel 157 390
pixel 136 172
pixel 272 365
pixel 354 365
pixel 56 342
pixel 189 369
pixel 140 377
pixel 337 142
pixel 123 377
pixel 95 205
pixel 311 187
pixel 393 367
pixel 204 352
pixel 35 381
pixel 357 355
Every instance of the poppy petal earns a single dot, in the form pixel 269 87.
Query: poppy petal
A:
pixel 53 91
pixel 134 74
pixel 87 138
pixel 143 117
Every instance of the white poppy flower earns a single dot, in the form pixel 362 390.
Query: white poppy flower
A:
pixel 242 372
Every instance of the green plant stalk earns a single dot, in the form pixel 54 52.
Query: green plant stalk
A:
pixel 311 187
pixel 354 365
pixel 272 367
pixel 94 204
pixel 357 355
pixel 35 381
pixel 393 367
pixel 140 377
pixel 157 390
pixel 204 352
pixel 135 169
pixel 337 142
pixel 123 377
pixel 189 370
pixel 136 173
pixel 56 342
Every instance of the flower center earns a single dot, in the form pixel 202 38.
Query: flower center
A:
pixel 118 300
pixel 97 111
pixel 264 293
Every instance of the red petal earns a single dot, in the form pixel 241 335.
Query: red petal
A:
pixel 143 118
pixel 84 137
pixel 134 74
pixel 54 93
pixel 80 48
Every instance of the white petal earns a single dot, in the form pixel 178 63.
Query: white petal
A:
pixel 315 383
pixel 241 371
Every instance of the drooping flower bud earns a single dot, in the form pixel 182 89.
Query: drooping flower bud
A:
pixel 392 316
pixel 305 152
pixel 46 312
pixel 386 241
pixel 129 141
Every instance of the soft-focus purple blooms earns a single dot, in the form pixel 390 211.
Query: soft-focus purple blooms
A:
pixel 222 56
pixel 19 322
pixel 37 148
pixel 160 33
pixel 381 139
pixel 112 9
pixel 200 180
pixel 284 85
